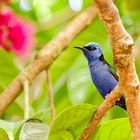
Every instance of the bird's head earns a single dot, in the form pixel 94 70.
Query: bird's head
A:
pixel 92 51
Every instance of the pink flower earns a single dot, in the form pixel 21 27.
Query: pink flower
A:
pixel 6 1
pixel 16 35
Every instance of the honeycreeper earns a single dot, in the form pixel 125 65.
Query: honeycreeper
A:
pixel 103 76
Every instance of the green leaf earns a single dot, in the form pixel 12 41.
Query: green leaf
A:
pixel 11 128
pixel 3 135
pixel 34 129
pixel 117 129
pixel 23 129
pixel 71 122
pixel 66 135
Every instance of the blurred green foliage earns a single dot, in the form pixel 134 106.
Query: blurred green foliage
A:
pixel 70 75
pixel 117 129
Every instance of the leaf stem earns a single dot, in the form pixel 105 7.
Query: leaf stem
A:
pixel 50 94
pixel 26 98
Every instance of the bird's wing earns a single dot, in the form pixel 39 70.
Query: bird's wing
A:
pixel 109 68
pixel 113 73
pixel 121 101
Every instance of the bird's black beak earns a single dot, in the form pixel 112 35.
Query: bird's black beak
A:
pixel 78 47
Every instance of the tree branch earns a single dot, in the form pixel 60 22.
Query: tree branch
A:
pixel 101 111
pixel 47 55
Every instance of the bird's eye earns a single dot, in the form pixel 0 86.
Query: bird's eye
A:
pixel 90 48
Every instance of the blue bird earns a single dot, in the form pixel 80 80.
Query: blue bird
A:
pixel 103 76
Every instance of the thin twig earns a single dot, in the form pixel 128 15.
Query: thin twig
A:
pixel 101 111
pixel 47 55
pixel 26 98
pixel 50 94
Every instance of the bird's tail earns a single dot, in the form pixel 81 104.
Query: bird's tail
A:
pixel 121 103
